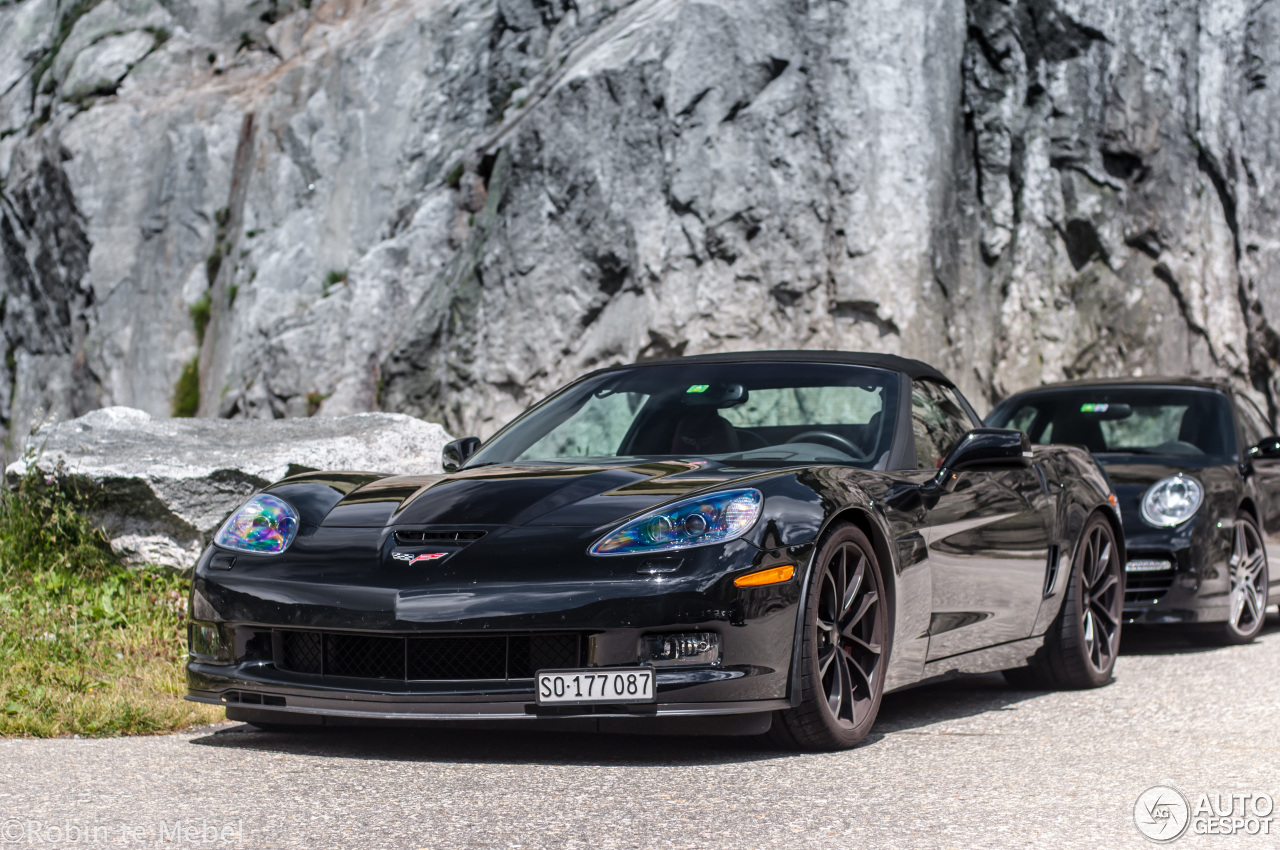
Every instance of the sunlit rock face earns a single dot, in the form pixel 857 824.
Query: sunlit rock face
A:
pixel 255 209
pixel 161 488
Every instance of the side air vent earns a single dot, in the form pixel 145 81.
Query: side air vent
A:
pixel 1051 572
pixel 407 537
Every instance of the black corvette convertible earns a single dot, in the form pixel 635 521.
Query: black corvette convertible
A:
pixel 742 542
pixel 1196 466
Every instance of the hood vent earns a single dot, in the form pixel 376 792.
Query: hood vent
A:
pixel 406 537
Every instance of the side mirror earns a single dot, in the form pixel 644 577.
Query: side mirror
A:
pixel 458 452
pixel 1268 448
pixel 989 448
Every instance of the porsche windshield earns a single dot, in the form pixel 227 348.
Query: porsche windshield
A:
pixel 749 412
pixel 1168 421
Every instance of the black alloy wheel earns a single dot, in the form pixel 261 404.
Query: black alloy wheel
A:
pixel 1081 646
pixel 845 649
pixel 1249 580
pixel 1102 598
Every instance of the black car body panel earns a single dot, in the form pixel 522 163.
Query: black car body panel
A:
pixel 975 566
pixel 1197 586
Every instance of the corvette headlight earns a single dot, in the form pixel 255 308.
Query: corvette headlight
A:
pixel 1172 501
pixel 265 525
pixel 717 518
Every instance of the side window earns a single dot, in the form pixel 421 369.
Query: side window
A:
pixel 938 421
pixel 1255 425
pixel 1022 419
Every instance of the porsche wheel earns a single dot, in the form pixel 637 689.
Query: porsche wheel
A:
pixel 1249 580
pixel 1080 649
pixel 845 648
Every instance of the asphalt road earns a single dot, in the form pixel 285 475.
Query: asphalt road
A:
pixel 967 763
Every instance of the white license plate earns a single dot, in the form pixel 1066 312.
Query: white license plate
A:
pixel 558 687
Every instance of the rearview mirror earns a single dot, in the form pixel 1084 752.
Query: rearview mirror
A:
pixel 1106 411
pixel 1268 448
pixel 458 452
pixel 989 448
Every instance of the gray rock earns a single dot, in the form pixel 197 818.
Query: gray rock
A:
pixel 162 487
pixel 98 69
pixel 450 208
pixel 103 21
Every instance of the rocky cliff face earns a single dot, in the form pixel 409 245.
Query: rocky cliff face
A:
pixel 266 208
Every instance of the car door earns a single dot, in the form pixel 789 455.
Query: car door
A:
pixel 1254 428
pixel 987 538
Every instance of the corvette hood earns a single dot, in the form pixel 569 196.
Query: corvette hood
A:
pixel 551 495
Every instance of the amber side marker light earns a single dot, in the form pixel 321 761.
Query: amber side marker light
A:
pixel 773 575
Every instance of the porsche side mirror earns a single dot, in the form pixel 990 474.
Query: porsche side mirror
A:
pixel 989 448
pixel 1268 448
pixel 458 452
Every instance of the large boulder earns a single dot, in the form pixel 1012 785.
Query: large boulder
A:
pixel 161 487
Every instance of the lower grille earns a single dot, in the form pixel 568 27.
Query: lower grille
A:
pixel 425 658
pixel 1145 583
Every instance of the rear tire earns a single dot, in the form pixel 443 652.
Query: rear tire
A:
pixel 1250 578
pixel 844 649
pixel 1080 648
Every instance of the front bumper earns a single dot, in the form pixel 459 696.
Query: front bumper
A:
pixel 1195 587
pixel 267 694
pixel 258 608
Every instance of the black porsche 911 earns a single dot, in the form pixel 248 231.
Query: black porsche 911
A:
pixel 724 543
pixel 1196 466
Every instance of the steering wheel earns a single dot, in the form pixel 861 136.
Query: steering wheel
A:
pixel 828 438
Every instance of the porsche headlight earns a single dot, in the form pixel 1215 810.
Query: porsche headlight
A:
pixel 702 521
pixel 1172 501
pixel 265 525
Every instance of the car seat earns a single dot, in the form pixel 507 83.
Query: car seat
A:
pixel 704 432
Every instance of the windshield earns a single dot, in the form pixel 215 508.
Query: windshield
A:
pixel 1169 421
pixel 745 412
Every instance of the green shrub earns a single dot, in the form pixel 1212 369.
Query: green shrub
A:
pixel 212 264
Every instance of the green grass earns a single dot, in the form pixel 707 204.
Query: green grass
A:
pixel 186 393
pixel 315 398
pixel 335 277
pixel 201 312
pixel 87 647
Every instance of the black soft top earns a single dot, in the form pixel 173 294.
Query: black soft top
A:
pixel 1186 382
pixel 911 368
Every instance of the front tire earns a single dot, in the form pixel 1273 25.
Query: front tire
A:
pixel 1080 649
pixel 845 647
pixel 1250 578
